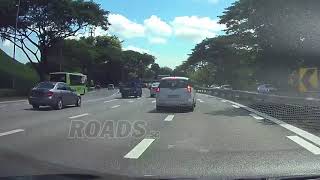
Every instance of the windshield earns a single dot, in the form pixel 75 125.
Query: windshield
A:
pixel 45 85
pixel 160 89
pixel 58 78
pixel 155 84
pixel 173 83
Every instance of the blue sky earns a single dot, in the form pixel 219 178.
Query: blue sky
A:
pixel 167 29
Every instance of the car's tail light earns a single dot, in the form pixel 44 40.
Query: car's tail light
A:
pixel 158 90
pixel 49 94
pixel 189 88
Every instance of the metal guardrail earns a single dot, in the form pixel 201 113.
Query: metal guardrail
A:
pixel 260 97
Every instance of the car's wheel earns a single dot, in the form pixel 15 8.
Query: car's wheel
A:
pixel 78 103
pixel 158 108
pixel 35 106
pixel 59 105
pixel 192 108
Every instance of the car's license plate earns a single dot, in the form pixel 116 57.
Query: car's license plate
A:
pixel 173 96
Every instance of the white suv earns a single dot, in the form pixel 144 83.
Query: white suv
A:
pixel 175 92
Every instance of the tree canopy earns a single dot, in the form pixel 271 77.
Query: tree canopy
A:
pixel 264 42
pixel 45 23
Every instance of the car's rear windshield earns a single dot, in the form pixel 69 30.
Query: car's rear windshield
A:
pixel 173 83
pixel 45 85
pixel 155 84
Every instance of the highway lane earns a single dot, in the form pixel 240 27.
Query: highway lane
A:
pixel 217 139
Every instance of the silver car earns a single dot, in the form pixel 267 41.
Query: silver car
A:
pixel 175 92
pixel 54 94
pixel 266 88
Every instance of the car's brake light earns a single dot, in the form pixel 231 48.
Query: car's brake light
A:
pixel 49 93
pixel 158 90
pixel 189 89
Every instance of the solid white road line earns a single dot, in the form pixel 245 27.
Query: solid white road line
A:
pixel 256 116
pixel 111 100
pixel 306 135
pixel 169 118
pixel 200 100
pixel 224 101
pixel 115 106
pixel 3 102
pixel 313 138
pixel 137 151
pixel 78 116
pixel 11 132
pixel 154 101
pixel 305 144
pixel 235 106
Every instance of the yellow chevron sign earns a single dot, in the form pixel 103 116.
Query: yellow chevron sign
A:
pixel 308 79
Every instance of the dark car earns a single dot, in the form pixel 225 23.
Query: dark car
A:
pixel 54 94
pixel 131 89
pixel 110 86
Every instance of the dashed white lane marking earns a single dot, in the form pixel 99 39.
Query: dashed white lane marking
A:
pixel 169 118
pixel 235 106
pixel 78 116
pixel 111 100
pixel 95 100
pixel 154 101
pixel 11 132
pixel 3 102
pixel 100 99
pixel 306 135
pixel 305 144
pixel 256 116
pixel 130 101
pixel 115 106
pixel 137 151
pixel 200 100
pixel 313 138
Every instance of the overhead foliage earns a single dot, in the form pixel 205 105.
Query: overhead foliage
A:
pixel 43 24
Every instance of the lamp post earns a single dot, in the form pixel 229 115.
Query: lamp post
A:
pixel 15 31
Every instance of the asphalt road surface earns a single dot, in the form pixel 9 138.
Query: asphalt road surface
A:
pixel 219 139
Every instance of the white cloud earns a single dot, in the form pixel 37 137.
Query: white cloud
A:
pixel 213 1
pixel 122 26
pixel 157 40
pixel 134 48
pixel 158 27
pixel 196 28
pixel 7 43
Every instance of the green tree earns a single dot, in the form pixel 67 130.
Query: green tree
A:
pixel 283 34
pixel 165 71
pixel 45 23
pixel 136 63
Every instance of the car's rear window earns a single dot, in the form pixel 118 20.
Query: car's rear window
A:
pixel 155 84
pixel 45 85
pixel 173 83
